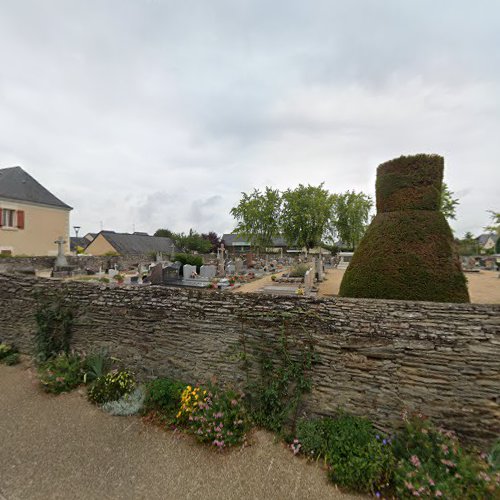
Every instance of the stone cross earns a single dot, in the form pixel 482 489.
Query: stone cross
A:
pixel 220 257
pixel 60 259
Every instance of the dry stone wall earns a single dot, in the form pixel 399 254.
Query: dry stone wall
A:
pixel 373 357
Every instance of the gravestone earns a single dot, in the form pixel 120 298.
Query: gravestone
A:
pixel 238 264
pixel 208 271
pixel 156 277
pixel 230 268
pixel 171 273
pixel 60 259
pixel 250 262
pixel 189 271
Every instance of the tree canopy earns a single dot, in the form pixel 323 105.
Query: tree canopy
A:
pixel 350 216
pixel 305 216
pixel 448 203
pixel 258 217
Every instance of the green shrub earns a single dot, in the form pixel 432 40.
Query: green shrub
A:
pixel 299 271
pixel 129 404
pixel 54 320
pixel 163 395
pixel 494 456
pixel 358 457
pixel 214 415
pixel 432 463
pixel 61 373
pixel 104 279
pixel 111 387
pixel 12 359
pixel 193 260
pixel 407 251
pixel 96 365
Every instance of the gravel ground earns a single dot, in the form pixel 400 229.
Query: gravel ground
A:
pixel 62 447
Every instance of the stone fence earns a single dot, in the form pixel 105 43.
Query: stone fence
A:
pixel 372 357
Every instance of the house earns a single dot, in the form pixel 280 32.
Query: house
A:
pixel 487 241
pixel 109 242
pixel 236 244
pixel 31 217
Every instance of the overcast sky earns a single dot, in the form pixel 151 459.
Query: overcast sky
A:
pixel 159 113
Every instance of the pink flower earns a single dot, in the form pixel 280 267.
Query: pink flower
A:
pixel 415 461
pixel 234 402
pixel 439 493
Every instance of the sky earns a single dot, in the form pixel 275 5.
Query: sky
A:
pixel 143 114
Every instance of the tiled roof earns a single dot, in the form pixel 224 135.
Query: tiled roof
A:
pixel 17 184
pixel 138 243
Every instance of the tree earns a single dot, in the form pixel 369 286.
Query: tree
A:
pixel 165 233
pixel 213 238
pixel 350 215
pixel 448 204
pixel 467 245
pixel 305 216
pixel 193 242
pixel 258 217
pixel 494 227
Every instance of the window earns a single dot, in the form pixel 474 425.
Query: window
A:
pixel 8 217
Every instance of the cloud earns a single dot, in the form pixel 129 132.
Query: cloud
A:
pixel 155 113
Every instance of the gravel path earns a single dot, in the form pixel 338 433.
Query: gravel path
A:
pixel 64 448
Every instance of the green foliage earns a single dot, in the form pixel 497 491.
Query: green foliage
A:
pixel 62 373
pixel 494 227
pixel 119 277
pixel 193 242
pixel 214 415
pixel 284 377
pixel 165 233
pixel 129 404
pixel 350 215
pixel 407 252
pixel 9 355
pixel 111 253
pixel 54 319
pixel 407 256
pixel 193 260
pixel 467 245
pixel 258 217
pixel 299 271
pixel 306 214
pixel 358 457
pixel 494 456
pixel 96 365
pixel 111 387
pixel 448 204
pixel 104 279
pixel 163 395
pixel 410 183
pixel 432 463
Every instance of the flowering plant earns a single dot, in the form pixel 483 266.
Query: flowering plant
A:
pixel 111 387
pixel 432 464
pixel 214 416
pixel 8 354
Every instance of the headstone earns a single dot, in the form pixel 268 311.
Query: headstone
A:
pixel 250 262
pixel 230 268
pixel 171 273
pixel 208 271
pixel 156 276
pixel 319 268
pixel 238 264
pixel 189 271
pixel 113 272
pixel 60 259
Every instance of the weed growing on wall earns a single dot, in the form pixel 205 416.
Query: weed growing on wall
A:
pixel 283 376
pixel 9 355
pixel 54 319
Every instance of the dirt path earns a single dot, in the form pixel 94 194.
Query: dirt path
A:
pixel 62 447
pixel 255 286
pixel 484 287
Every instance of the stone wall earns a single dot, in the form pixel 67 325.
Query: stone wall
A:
pixel 374 357
pixel 81 262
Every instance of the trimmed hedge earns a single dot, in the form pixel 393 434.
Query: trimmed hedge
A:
pixel 410 182
pixel 407 252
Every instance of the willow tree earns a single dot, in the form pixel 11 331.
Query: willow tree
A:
pixel 258 217
pixel 306 214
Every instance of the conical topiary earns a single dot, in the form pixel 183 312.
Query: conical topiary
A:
pixel 407 250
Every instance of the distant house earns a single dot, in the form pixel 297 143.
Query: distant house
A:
pixel 237 244
pixel 107 242
pixel 487 241
pixel 31 217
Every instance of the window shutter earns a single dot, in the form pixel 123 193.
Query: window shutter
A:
pixel 20 219
pixel 1 218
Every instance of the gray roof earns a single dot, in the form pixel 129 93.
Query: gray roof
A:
pixel 17 184
pixel 483 238
pixel 78 242
pixel 230 239
pixel 138 243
